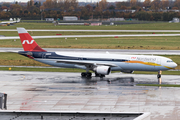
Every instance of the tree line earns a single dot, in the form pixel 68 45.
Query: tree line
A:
pixel 156 10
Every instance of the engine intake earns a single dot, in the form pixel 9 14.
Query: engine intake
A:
pixel 103 70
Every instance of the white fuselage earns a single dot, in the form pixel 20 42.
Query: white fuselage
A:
pixel 121 62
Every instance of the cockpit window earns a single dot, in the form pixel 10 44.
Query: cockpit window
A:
pixel 169 61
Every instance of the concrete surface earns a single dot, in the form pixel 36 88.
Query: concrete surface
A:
pixel 79 36
pixel 111 51
pixel 53 91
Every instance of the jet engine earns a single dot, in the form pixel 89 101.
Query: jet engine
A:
pixel 103 70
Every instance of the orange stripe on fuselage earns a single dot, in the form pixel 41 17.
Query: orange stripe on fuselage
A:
pixel 145 63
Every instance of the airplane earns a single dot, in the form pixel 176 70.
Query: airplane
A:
pixel 10 22
pixel 100 63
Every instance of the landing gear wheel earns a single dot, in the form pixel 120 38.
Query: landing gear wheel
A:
pixel 83 74
pixel 97 75
pixel 101 76
pixel 88 75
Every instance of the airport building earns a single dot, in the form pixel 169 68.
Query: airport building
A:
pixel 70 18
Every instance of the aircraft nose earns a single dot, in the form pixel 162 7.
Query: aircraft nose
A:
pixel 174 65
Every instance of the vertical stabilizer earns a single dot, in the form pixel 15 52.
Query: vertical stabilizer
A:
pixel 27 41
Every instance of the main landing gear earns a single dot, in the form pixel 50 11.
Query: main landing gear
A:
pixel 86 74
pixel 89 74
pixel 99 75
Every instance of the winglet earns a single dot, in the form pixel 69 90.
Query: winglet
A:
pixel 27 41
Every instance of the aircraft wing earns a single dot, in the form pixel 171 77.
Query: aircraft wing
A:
pixel 6 22
pixel 85 63
pixel 10 22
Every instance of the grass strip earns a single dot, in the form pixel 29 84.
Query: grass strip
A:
pixel 148 43
pixel 143 26
pixel 162 85
pixel 54 33
pixel 163 73
pixel 75 70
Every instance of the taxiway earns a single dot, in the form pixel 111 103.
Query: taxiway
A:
pixel 54 91
pixel 110 51
pixel 86 36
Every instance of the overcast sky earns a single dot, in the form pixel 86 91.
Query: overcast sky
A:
pixel 78 0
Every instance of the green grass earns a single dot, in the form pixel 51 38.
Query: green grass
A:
pixel 163 72
pixel 14 59
pixel 42 69
pixel 162 43
pixel 77 70
pixel 162 85
pixel 149 26
pixel 46 33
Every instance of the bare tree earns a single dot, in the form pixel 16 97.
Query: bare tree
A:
pixel 103 4
pixel 155 5
pixel 164 4
pixel 133 3
pixel 147 3
pixel 177 4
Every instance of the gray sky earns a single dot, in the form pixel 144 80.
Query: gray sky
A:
pixel 78 0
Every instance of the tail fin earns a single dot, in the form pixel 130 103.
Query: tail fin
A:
pixel 18 20
pixel 27 41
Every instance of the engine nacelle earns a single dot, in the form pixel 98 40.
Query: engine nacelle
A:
pixel 127 71
pixel 103 70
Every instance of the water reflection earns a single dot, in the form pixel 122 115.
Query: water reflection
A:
pixel 159 81
pixel 118 81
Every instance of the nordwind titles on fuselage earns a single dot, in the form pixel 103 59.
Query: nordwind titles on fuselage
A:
pixel 101 64
pixel 145 59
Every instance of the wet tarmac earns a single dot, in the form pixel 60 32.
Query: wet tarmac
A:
pixel 55 91
pixel 28 115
